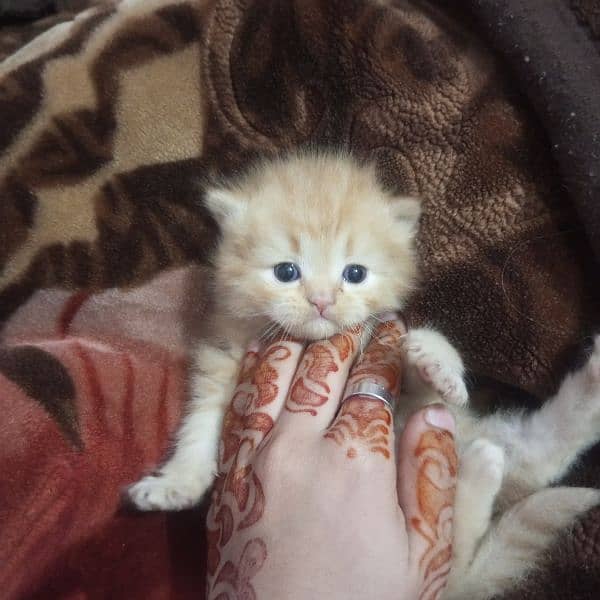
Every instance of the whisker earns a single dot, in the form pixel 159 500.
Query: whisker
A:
pixel 268 332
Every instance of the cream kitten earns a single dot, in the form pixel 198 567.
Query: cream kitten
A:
pixel 311 244
pixel 506 514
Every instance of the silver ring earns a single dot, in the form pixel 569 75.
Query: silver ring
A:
pixel 371 389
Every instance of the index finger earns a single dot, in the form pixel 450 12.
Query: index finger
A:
pixel 262 385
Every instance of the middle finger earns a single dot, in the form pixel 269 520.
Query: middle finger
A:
pixel 321 376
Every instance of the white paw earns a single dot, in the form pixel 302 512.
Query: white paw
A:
pixel 437 364
pixel 168 491
pixel 483 462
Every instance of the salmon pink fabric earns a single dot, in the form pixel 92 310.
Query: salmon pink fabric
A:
pixel 91 388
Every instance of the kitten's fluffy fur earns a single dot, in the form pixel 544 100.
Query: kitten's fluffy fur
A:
pixel 323 212
pixel 506 514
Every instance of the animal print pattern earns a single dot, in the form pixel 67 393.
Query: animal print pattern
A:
pixel 113 121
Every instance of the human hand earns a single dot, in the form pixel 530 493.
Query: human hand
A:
pixel 313 501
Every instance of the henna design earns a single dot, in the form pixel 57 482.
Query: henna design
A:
pixel 382 359
pixel 247 368
pixel 365 420
pixel 239 578
pixel 237 482
pixel 256 388
pixel 266 374
pixel 238 493
pixel 344 344
pixel 241 489
pixel 258 506
pixel 309 389
pixel 234 424
pixel 436 485
pixel 214 535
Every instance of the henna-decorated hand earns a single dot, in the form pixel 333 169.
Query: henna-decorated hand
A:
pixel 316 502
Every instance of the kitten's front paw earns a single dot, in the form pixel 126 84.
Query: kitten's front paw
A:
pixel 168 491
pixel 437 364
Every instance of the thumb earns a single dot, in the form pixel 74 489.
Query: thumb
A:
pixel 427 470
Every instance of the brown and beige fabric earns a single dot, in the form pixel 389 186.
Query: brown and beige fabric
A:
pixel 112 121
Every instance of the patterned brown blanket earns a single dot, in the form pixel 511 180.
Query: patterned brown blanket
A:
pixel 112 120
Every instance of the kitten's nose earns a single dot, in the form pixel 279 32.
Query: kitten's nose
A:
pixel 321 302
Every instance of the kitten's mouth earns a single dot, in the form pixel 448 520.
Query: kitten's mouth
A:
pixel 319 328
pixel 322 318
pixel 322 321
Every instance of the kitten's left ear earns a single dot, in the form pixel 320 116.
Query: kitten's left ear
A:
pixel 407 209
pixel 224 204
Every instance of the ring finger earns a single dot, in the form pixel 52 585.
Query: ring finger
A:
pixel 364 423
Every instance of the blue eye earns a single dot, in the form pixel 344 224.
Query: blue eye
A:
pixel 286 272
pixel 354 273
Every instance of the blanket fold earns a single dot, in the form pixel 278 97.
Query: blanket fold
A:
pixel 552 47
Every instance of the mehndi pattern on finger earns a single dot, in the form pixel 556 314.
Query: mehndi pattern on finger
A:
pixel 435 489
pixel 309 389
pixel 238 500
pixel 366 421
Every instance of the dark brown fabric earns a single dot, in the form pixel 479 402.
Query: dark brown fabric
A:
pixel 26 9
pixel 44 379
pixel 588 11
pixel 20 23
pixel 101 185
pixel 500 241
pixel 557 65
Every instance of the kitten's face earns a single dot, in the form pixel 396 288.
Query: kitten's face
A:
pixel 313 244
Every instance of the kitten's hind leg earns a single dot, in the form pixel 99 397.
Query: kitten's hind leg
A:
pixel 433 364
pixel 542 446
pixel 480 478
pixel 181 482
pixel 518 541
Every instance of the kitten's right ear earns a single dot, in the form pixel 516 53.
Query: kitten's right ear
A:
pixel 224 205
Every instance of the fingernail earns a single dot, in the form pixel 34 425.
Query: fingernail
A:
pixel 440 417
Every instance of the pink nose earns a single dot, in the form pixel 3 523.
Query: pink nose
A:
pixel 321 303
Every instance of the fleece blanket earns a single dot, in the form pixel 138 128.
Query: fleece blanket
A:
pixel 91 387
pixel 112 120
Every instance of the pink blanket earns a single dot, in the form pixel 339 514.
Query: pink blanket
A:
pixel 91 387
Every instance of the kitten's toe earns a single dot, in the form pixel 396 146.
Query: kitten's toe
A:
pixel 447 382
pixel 168 492
pixel 483 462
pixel 437 364
pixel 451 387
